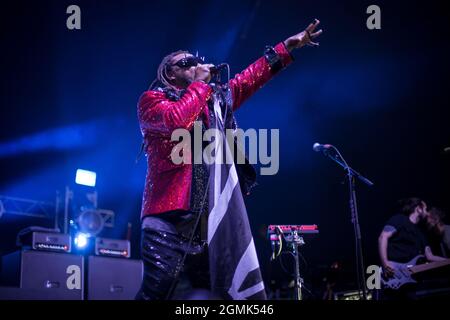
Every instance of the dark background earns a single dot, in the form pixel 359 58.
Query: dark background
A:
pixel 68 101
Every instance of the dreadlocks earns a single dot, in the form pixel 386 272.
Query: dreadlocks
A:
pixel 161 74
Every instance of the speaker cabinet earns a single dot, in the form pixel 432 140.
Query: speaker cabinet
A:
pixel 48 274
pixel 113 278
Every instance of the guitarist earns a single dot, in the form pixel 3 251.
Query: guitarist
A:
pixel 402 240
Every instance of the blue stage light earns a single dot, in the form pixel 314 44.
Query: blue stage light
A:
pixel 81 240
pixel 86 178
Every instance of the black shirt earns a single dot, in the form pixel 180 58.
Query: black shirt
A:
pixel 407 242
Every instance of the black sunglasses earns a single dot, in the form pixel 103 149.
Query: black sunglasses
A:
pixel 188 62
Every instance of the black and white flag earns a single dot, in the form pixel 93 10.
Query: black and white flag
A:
pixel 234 267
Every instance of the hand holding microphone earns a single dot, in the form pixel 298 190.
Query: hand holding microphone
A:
pixel 218 68
pixel 203 72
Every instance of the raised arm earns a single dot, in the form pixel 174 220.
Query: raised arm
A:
pixel 246 83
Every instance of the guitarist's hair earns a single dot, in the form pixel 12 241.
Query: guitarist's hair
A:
pixel 408 205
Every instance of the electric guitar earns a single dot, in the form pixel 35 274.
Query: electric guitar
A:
pixel 403 272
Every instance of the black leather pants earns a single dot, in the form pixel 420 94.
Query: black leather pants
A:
pixel 162 247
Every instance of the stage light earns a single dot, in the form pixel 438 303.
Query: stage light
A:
pixel 90 222
pixel 81 240
pixel 86 178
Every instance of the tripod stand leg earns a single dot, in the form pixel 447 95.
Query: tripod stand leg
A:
pixel 298 279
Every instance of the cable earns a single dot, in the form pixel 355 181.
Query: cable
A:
pixel 280 242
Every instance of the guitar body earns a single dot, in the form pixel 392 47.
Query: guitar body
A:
pixel 402 274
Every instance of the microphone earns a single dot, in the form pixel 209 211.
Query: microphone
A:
pixel 218 68
pixel 317 147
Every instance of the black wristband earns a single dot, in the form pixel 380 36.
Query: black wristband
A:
pixel 273 58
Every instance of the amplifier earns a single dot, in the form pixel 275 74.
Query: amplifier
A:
pixel 43 275
pixel 58 242
pixel 112 247
pixel 16 293
pixel 113 279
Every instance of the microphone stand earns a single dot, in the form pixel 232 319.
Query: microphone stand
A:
pixel 296 242
pixel 351 174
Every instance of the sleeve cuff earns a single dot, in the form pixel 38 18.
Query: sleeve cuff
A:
pixel 285 55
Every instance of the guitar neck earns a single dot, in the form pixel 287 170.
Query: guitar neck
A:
pixel 429 266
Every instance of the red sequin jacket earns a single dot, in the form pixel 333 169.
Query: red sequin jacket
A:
pixel 168 185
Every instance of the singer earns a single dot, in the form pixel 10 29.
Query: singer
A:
pixel 179 240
